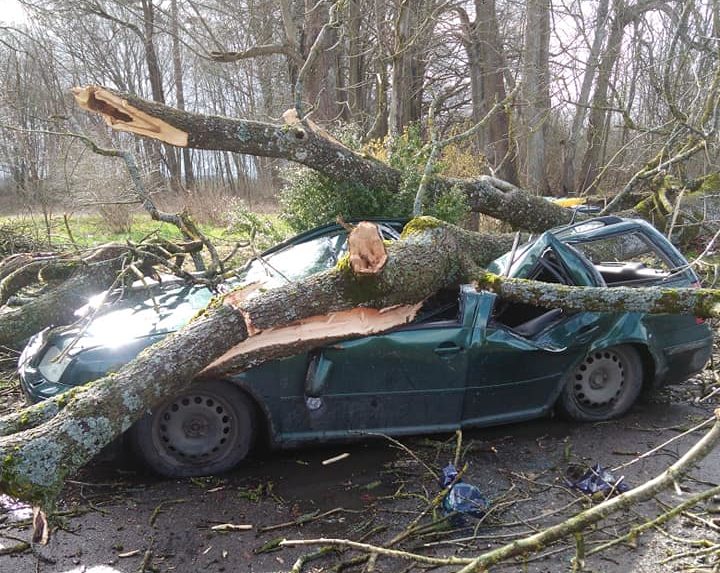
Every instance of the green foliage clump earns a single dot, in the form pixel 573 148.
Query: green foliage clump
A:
pixel 452 206
pixel 260 230
pixel 310 198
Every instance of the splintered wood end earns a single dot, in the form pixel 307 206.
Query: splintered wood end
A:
pixel 367 249
pixel 122 116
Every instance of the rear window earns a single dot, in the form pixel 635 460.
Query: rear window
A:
pixel 629 259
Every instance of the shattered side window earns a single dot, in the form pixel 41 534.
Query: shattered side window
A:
pixel 442 307
pixel 629 259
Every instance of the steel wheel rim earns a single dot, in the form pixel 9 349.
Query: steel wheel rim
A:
pixel 599 380
pixel 196 428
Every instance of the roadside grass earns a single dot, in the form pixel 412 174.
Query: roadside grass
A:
pixel 91 230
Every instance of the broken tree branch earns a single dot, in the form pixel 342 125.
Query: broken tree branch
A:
pixel 302 143
pixel 701 302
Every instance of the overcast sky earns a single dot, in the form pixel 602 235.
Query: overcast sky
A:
pixel 11 11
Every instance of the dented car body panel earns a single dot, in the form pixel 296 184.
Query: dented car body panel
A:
pixel 469 359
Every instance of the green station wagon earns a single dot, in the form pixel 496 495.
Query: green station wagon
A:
pixel 468 359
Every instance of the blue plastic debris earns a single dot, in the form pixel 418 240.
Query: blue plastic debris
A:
pixel 449 475
pixel 598 479
pixel 462 498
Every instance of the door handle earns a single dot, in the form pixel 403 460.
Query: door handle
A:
pixel 447 349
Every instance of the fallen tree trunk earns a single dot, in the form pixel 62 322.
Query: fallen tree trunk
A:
pixel 83 278
pixel 302 142
pixel 701 302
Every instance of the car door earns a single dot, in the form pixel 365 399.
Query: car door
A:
pixel 515 373
pixel 406 381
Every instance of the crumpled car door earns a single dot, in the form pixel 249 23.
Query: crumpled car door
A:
pixel 517 376
pixel 407 380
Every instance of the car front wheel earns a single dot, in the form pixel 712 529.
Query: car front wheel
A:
pixel 205 430
pixel 604 385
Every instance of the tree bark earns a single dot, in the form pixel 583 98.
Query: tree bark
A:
pixel 321 83
pixel 700 302
pixel 568 175
pixel 598 121
pixel 57 306
pixel 499 147
pixel 179 88
pixel 536 92
pixel 156 87
pixel 413 25
pixel 596 133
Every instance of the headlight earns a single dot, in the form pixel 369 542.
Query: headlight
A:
pixel 33 346
pixel 51 368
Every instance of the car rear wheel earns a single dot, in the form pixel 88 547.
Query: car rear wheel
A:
pixel 205 430
pixel 603 386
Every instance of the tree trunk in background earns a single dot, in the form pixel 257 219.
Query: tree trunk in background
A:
pixel 356 58
pixel 596 132
pixel 156 86
pixel 412 29
pixel 472 50
pixel 179 89
pixel 321 83
pixel 499 148
pixel 571 144
pixel 536 92
pixel 379 122
pixel 599 120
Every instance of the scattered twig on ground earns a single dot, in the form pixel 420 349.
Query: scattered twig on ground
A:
pixel 307 518
pixel 407 450
pixel 307 557
pixel 573 526
pixel 664 444
pixel 162 505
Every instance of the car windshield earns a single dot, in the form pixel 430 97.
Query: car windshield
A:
pixel 298 261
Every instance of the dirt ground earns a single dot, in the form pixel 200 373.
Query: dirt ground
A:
pixel 116 518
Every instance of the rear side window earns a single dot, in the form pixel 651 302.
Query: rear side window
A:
pixel 629 259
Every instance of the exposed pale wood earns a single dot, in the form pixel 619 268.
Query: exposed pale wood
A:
pixel 315 331
pixel 120 115
pixel 41 529
pixel 367 250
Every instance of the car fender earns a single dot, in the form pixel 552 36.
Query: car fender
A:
pixel 630 329
pixel 241 381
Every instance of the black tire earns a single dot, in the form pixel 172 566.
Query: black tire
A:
pixel 205 430
pixel 604 385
